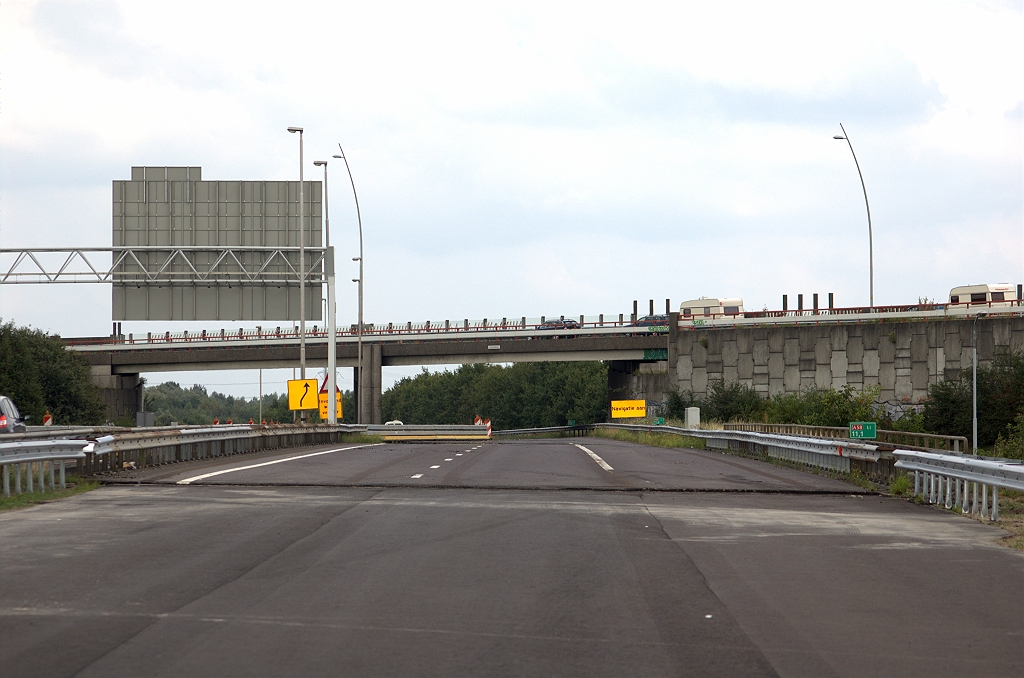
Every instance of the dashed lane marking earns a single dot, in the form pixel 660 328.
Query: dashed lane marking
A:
pixel 188 481
pixel 418 475
pixel 449 459
pixel 435 467
pixel 600 462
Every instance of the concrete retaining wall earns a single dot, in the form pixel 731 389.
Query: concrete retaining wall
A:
pixel 903 358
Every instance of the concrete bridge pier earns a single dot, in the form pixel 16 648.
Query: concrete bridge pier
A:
pixel 122 393
pixel 368 394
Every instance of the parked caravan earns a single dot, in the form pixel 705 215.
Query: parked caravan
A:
pixel 990 295
pixel 708 307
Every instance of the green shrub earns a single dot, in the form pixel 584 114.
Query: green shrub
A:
pixel 1012 444
pixel 949 408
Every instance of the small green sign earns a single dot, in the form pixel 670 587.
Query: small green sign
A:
pixel 572 422
pixel 655 354
pixel 660 421
pixel 863 429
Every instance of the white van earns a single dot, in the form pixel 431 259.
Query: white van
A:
pixel 983 294
pixel 708 307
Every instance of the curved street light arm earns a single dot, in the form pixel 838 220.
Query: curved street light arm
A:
pixel 359 329
pixel 871 246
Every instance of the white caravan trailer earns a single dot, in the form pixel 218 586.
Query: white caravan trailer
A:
pixel 709 307
pixel 996 294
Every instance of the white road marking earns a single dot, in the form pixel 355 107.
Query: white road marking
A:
pixel 435 467
pixel 418 475
pixel 600 462
pixel 448 459
pixel 188 481
pixel 457 454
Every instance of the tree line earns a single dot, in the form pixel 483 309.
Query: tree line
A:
pixel 194 406
pixel 523 395
pixel 40 375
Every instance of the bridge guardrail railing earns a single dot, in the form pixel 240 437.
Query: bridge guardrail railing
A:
pixel 26 457
pixel 956 481
pixel 582 324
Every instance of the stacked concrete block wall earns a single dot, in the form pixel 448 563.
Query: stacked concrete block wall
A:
pixel 122 393
pixel 904 359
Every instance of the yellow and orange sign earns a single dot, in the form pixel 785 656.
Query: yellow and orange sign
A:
pixel 302 394
pixel 629 409
pixel 337 406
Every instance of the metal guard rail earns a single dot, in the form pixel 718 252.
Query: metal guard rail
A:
pixel 429 432
pixel 906 440
pixel 23 454
pixel 832 454
pixel 947 479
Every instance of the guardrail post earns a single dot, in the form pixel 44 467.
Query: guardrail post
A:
pixel 17 479
pixel 984 499
pixel 42 476
pixel 63 485
pixel 949 492
pixel 995 502
pixel 974 501
pixel 7 480
pixel 53 485
pixel 917 483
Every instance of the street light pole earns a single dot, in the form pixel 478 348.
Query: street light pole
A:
pixel 302 268
pixel 974 378
pixel 359 329
pixel 332 345
pixel 871 245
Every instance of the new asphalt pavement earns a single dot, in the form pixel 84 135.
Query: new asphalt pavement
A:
pixel 566 557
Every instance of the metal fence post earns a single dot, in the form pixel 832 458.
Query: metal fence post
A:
pixel 995 502
pixel 63 485
pixel 28 476
pixel 42 476
pixel 53 486
pixel 917 483
pixel 17 479
pixel 7 480
pixel 974 502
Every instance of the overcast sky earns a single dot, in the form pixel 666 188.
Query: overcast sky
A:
pixel 538 159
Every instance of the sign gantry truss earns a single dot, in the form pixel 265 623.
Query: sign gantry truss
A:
pixel 160 265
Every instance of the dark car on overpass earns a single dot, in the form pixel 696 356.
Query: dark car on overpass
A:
pixel 655 322
pixel 559 324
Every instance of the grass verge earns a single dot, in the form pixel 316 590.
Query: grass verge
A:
pixel 74 486
pixel 653 439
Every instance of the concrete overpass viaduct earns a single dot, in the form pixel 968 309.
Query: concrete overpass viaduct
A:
pixel 902 349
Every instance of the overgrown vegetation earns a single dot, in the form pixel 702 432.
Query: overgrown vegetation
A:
pixel 39 374
pixel 946 411
pixel 171 403
pixel 652 439
pixel 814 407
pixel 523 395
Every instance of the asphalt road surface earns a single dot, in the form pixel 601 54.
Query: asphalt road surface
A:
pixel 570 557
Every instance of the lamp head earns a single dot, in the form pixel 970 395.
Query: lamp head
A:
pixel 295 129
pixel 320 162
pixel 839 136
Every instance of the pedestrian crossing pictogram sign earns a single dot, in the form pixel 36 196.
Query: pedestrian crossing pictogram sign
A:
pixel 302 394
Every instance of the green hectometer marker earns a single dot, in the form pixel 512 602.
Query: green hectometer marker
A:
pixel 863 429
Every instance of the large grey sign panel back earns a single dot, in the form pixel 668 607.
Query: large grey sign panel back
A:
pixel 163 209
